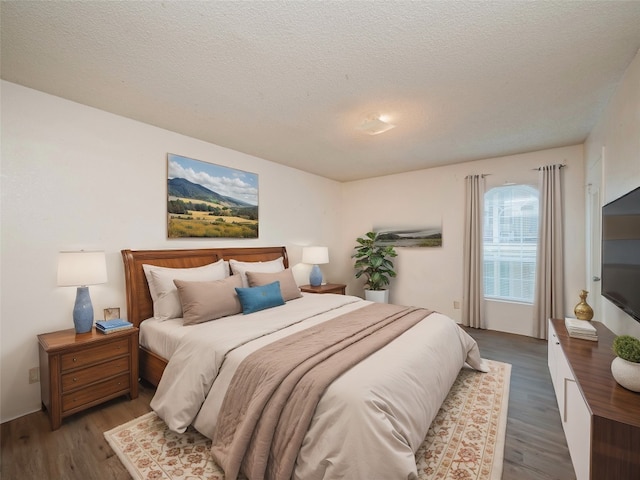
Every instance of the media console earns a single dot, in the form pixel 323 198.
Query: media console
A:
pixel 601 419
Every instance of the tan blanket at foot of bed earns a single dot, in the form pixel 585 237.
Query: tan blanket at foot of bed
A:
pixel 271 400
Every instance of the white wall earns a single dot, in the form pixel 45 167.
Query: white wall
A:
pixel 432 277
pixel 76 177
pixel 618 135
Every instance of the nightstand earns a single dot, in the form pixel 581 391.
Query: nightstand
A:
pixel 78 371
pixel 326 288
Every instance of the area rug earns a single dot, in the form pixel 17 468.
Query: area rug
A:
pixel 465 441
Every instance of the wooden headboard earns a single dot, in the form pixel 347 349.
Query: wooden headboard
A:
pixel 139 303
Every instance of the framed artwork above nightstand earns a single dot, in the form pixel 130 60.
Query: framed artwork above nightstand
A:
pixel 338 288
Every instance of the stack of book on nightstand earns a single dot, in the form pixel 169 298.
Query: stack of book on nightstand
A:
pixel 115 325
pixel 581 329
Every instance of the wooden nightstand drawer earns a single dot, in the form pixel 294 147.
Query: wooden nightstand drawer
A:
pixel 338 288
pixel 94 354
pixel 99 391
pixel 78 371
pixel 85 376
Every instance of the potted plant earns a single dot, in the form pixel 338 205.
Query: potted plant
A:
pixel 625 368
pixel 373 261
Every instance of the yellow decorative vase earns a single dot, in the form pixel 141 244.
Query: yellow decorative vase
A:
pixel 583 311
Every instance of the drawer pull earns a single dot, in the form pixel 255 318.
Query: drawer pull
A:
pixel 75 359
pixel 75 379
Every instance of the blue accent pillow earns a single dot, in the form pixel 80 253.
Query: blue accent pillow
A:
pixel 254 299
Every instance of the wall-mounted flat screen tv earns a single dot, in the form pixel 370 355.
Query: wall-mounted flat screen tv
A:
pixel 621 252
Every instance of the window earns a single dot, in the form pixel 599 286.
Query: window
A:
pixel 510 242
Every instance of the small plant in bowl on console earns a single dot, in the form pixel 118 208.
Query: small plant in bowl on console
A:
pixel 625 368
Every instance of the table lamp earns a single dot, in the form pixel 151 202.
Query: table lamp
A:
pixel 315 256
pixel 79 269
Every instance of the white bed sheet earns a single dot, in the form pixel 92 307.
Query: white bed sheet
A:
pixel 163 337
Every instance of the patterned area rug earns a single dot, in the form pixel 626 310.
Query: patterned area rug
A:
pixel 465 441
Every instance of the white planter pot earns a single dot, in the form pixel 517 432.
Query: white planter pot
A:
pixel 626 373
pixel 379 296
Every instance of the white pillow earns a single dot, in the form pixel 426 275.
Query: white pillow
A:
pixel 166 301
pixel 241 268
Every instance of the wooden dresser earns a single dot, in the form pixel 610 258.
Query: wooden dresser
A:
pixel 600 418
pixel 79 371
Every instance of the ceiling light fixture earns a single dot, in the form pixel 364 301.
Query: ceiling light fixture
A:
pixel 374 125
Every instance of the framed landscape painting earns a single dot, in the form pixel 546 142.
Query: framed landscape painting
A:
pixel 205 200
pixel 416 237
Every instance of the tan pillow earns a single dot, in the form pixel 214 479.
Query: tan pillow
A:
pixel 166 303
pixel 204 301
pixel 288 286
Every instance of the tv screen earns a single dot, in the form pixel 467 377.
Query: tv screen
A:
pixel 621 252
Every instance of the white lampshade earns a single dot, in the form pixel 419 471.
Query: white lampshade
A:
pixel 81 268
pixel 315 255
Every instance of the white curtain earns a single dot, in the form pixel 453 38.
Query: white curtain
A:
pixel 549 298
pixel 473 293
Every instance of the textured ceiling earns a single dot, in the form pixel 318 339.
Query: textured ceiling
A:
pixel 291 81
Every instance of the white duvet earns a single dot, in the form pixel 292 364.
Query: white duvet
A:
pixel 370 421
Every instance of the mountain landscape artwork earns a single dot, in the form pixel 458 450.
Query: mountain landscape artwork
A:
pixel 209 200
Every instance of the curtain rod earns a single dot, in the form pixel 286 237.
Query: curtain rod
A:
pixel 480 174
pixel 562 165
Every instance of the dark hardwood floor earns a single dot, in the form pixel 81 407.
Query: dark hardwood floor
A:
pixel 76 451
pixel 535 444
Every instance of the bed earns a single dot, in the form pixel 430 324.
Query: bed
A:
pixel 139 302
pixel 367 423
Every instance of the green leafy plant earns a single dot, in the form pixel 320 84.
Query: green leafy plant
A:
pixel 627 348
pixel 373 261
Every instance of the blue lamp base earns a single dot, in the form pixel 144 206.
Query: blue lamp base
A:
pixel 315 277
pixel 83 311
